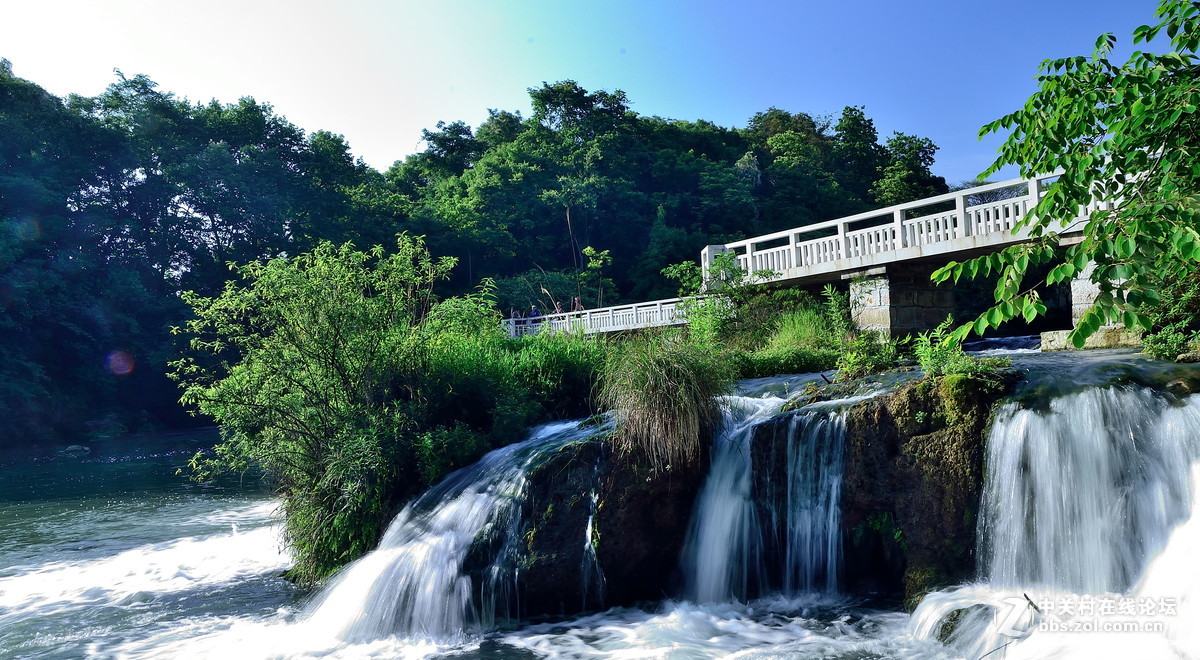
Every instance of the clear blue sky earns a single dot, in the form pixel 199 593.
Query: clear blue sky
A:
pixel 380 71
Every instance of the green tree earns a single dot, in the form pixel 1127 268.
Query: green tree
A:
pixel 72 292
pixel 906 175
pixel 1126 136
pixel 308 368
pixel 857 155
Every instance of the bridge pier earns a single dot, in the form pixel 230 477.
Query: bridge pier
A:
pixel 1083 293
pixel 898 299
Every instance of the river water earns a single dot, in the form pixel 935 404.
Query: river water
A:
pixel 109 546
pixel 110 553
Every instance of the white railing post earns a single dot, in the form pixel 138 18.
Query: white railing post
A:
pixel 898 218
pixel 1035 193
pixel 960 209
pixel 844 241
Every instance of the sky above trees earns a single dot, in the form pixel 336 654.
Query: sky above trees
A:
pixel 380 72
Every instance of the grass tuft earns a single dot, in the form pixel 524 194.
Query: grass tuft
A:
pixel 666 394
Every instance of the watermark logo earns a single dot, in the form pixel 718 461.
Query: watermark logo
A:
pixel 1084 613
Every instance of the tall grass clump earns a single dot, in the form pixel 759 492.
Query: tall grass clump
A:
pixel 666 394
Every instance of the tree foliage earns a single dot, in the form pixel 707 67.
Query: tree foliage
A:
pixel 341 375
pixel 112 204
pixel 1125 137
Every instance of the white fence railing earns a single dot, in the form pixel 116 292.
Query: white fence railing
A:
pixel 651 314
pixel 987 214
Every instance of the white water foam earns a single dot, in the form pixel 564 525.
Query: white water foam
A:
pixel 810 626
pixel 1078 508
pixel 140 573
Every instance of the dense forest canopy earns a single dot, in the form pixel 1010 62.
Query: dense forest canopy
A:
pixel 112 205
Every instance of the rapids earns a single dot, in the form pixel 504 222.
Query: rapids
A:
pixel 1087 527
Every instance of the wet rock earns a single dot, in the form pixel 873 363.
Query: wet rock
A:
pixel 911 486
pixel 557 505
pixel 642 522
pixel 1179 387
pixel 639 520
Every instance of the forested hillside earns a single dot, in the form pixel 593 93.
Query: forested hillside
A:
pixel 111 206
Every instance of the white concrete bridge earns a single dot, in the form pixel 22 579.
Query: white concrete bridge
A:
pixel 889 253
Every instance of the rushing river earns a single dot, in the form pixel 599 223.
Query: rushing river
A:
pixel 110 553
pixel 105 547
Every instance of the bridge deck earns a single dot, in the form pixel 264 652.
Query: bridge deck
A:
pixel 951 225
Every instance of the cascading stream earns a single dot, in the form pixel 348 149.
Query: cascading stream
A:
pixel 415 584
pixel 753 534
pixel 1080 497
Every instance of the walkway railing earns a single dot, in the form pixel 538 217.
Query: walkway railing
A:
pixel 651 314
pixel 964 220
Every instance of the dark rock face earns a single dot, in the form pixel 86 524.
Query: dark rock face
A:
pixel 911 486
pixel 639 526
pixel 558 502
pixel 911 482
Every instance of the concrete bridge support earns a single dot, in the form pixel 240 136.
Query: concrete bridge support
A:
pixel 899 299
pixel 1083 293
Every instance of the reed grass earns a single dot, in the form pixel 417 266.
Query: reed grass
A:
pixel 667 396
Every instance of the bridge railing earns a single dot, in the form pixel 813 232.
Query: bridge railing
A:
pixel 986 214
pixel 990 209
pixel 654 313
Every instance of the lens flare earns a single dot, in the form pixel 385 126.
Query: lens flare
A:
pixel 119 363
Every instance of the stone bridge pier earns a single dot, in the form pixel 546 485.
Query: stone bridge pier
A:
pixel 899 299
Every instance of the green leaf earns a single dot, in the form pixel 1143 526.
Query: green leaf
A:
pixel 1129 318
pixel 994 317
pixel 1080 261
pixel 960 333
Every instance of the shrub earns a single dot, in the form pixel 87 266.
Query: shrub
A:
pixel 1169 342
pixel 666 394
pixel 863 354
pixel 338 374
pixel 941 355
pixel 859 353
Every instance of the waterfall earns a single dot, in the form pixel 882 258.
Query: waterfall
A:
pixel 417 583
pixel 1085 502
pixel 768 525
pixel 1079 497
